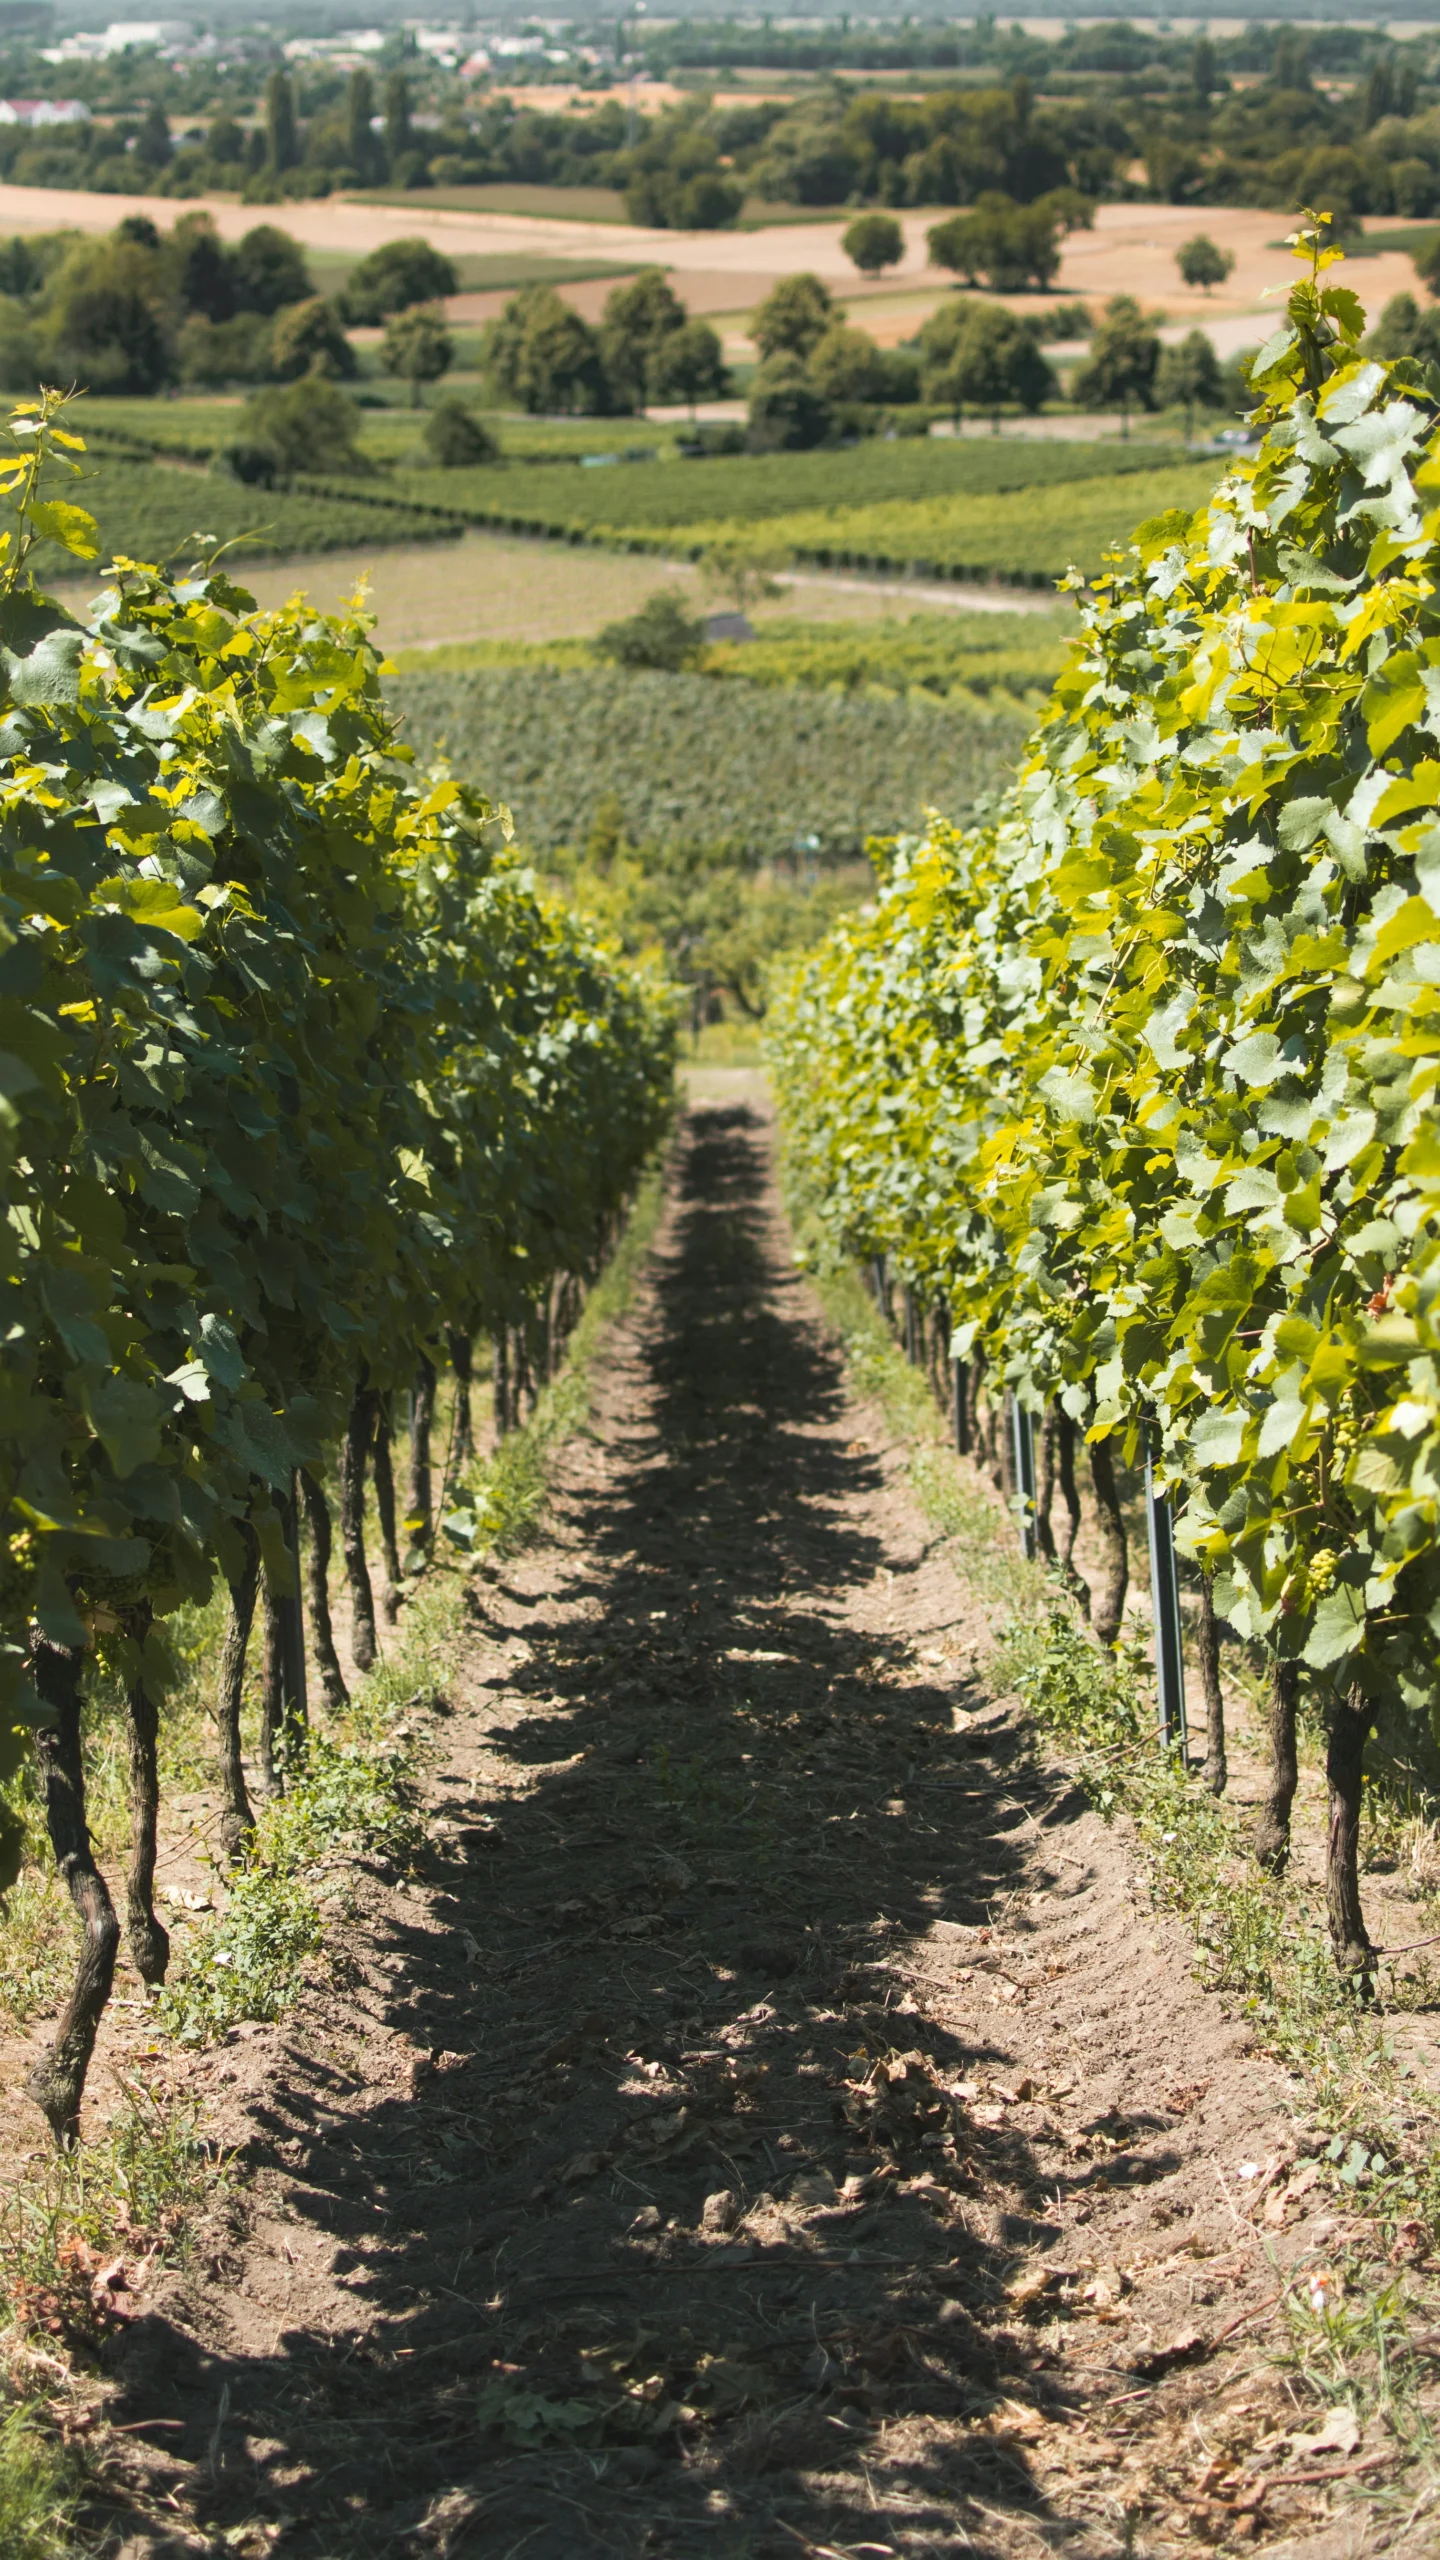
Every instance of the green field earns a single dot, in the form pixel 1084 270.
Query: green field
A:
pixel 508 270
pixel 763 774
pixel 557 204
pixel 390 432
pixel 992 508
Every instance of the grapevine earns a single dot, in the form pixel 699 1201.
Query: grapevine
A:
pixel 1135 1084
pixel 303 1086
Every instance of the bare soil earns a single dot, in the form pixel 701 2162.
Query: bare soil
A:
pixel 771 2119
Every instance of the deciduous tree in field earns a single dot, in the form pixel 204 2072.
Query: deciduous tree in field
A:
pixel 1202 262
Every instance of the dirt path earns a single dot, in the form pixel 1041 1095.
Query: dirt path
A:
pixel 773 2121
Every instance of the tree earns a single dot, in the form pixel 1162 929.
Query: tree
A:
pixel 207 274
pixel 269 270
pixel 418 348
pixel 282 141
pixel 309 425
pixel 1002 244
pixel 213 353
pixel 707 202
pixel 307 338
pixel 153 146
pixel 689 365
pixel 360 142
pixel 225 143
pixel 1403 329
pixel 1201 262
pixel 1124 356
pixel 788 412
pixel 1204 76
pixel 1427 265
pixel 398 139
pixel 992 359
pixel 662 635
pixel 394 278
pixel 110 321
pixel 1188 376
pixel 455 439
pixel 544 357
pixel 873 242
pixel 793 317
pixel 639 317
pixel 846 364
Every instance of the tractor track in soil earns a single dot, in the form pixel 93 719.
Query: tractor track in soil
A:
pixel 608 2192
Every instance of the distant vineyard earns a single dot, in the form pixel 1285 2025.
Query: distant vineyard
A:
pixel 1028 536
pixel 151 512
pixel 639 498
pixel 690 761
pixel 994 657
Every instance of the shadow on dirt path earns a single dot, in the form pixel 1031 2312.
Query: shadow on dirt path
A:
pixel 651 2181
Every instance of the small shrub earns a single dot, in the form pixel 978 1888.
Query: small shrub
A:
pixel 456 439
pixel 661 635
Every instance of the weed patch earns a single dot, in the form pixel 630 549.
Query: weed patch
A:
pixel 38 2491
pixel 75 2240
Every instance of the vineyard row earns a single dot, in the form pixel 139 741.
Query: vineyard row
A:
pixel 305 1088
pixel 1134 1086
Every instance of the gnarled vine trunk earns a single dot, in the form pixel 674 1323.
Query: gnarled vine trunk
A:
pixel 57 2081
pixel 1107 1600
pixel 384 1478
pixel 1207 1650
pixel 420 1517
pixel 1270 1839
pixel 501 1377
pixel 317 1589
pixel 354 1451
pixel 461 1362
pixel 237 1820
pixel 1344 1775
pixel 149 1940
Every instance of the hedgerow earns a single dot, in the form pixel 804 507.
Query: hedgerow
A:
pixel 1136 1085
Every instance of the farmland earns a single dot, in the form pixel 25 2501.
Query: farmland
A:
pixel 996 508
pixel 152 512
pixel 1028 537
